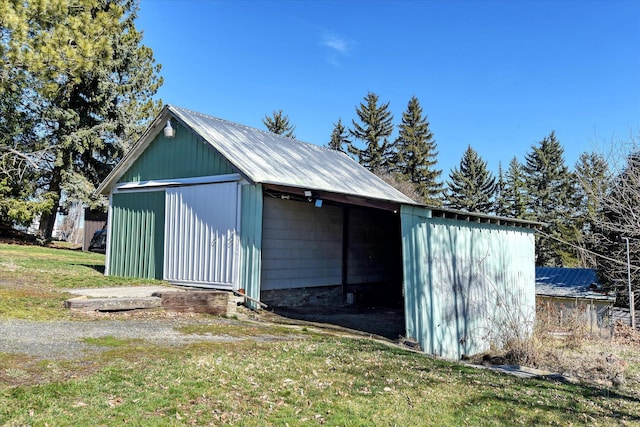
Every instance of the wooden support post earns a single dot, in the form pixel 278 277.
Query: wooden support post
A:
pixel 345 251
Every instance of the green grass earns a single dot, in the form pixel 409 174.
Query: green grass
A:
pixel 32 279
pixel 300 378
pixel 108 341
pixel 310 381
pixel 236 329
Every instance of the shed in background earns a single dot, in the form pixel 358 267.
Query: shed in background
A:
pixel 569 295
pixel 93 221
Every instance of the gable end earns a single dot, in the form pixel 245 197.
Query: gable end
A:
pixel 184 156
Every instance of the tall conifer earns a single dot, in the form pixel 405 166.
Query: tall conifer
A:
pixel 513 194
pixel 89 87
pixel 339 137
pixel 471 187
pixel 279 124
pixel 417 153
pixel 552 199
pixel 500 205
pixel 374 130
pixel 594 181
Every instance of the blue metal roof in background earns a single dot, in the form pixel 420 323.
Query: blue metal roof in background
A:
pixel 569 283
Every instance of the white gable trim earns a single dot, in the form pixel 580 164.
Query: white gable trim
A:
pixel 164 183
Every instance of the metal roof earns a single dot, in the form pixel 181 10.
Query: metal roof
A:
pixel 267 158
pixel 264 157
pixel 569 283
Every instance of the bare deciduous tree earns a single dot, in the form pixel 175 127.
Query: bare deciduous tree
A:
pixel 617 217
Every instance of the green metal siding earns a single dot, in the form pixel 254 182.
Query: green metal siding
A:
pixel 251 240
pixel 462 279
pixel 183 156
pixel 137 235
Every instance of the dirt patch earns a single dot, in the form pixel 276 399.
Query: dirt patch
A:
pixel 380 322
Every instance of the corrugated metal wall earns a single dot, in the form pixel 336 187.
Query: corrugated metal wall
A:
pixel 137 234
pixel 183 156
pixel 201 242
pixel 251 240
pixel 462 279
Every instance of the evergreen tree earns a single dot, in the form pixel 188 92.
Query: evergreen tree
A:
pixel 374 130
pixel 471 187
pixel 592 174
pixel 20 153
pixel 551 198
pixel 90 88
pixel 501 201
pixel 339 137
pixel 279 124
pixel 515 202
pixel 417 152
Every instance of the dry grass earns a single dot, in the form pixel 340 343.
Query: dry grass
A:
pixel 568 348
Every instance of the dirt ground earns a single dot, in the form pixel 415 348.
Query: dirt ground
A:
pixel 381 322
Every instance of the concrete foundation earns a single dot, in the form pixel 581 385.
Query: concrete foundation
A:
pixel 317 296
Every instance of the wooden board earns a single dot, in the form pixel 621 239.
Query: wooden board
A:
pixel 211 302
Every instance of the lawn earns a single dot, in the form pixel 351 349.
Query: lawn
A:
pixel 33 278
pixel 274 376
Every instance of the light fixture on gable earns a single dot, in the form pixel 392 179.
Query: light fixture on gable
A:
pixel 169 132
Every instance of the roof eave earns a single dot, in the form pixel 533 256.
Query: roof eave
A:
pixel 440 212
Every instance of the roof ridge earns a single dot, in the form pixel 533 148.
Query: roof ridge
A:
pixel 265 132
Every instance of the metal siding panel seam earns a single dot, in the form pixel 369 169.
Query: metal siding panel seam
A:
pixel 251 240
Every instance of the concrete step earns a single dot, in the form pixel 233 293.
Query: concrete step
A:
pixel 112 304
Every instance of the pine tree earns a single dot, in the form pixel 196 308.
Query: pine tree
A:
pixel 417 152
pixel 90 88
pixel 471 187
pixel 339 137
pixel 20 154
pixel 515 204
pixel 279 124
pixel 500 204
pixel 551 199
pixel 374 131
pixel 592 174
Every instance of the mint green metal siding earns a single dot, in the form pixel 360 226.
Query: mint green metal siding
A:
pixel 137 234
pixel 251 240
pixel 462 279
pixel 183 156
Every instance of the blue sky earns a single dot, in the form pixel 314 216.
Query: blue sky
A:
pixel 496 75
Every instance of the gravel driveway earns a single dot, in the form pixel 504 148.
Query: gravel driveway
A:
pixel 64 339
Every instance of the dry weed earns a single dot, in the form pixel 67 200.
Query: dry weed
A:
pixel 569 349
pixel 625 335
pixel 565 346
